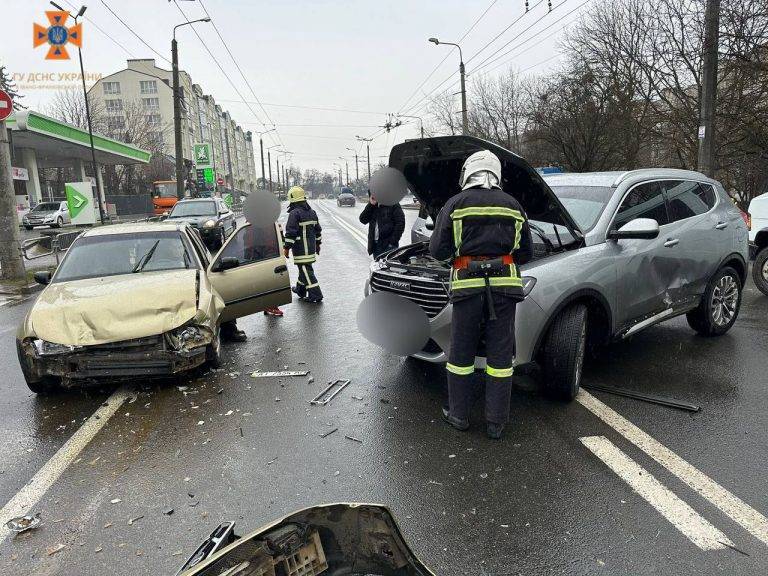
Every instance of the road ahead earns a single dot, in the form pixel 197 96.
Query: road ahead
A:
pixel 604 485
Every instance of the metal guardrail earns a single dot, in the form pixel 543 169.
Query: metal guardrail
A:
pixel 49 245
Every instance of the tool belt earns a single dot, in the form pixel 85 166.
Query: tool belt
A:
pixel 484 267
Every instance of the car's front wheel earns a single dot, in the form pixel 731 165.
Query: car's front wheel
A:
pixel 563 354
pixel 28 227
pixel 59 222
pixel 719 307
pixel 760 271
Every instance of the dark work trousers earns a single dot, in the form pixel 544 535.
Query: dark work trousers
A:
pixel 469 324
pixel 307 285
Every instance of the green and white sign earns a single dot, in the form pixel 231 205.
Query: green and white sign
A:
pixel 80 202
pixel 227 199
pixel 203 155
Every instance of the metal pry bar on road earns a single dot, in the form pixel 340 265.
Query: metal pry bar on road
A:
pixel 329 392
pixel 278 374
pixel 651 398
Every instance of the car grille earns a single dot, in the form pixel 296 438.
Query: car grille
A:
pixel 147 344
pixel 430 295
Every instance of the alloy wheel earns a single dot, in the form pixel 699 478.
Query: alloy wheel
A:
pixel 725 298
pixel 765 271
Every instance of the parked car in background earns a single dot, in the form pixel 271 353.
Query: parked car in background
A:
pixel 144 300
pixel 211 217
pixel 52 214
pixel 346 198
pixel 758 238
pixel 614 253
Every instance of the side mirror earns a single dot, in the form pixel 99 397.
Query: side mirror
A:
pixel 429 225
pixel 227 263
pixel 43 277
pixel 637 229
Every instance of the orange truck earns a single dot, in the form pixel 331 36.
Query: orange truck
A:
pixel 163 196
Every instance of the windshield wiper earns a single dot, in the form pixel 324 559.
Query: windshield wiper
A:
pixel 540 233
pixel 144 259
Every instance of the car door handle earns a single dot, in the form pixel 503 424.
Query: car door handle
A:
pixel 721 225
pixel 672 242
pixel 280 269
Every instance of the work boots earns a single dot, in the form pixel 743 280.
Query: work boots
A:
pixel 457 423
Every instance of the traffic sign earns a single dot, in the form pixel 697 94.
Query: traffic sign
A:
pixel 220 181
pixel 6 105
pixel 80 202
pixel 203 156
pixel 228 200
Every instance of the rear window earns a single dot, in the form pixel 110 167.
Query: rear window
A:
pixel 584 203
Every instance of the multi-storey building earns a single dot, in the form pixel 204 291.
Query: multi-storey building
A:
pixel 146 90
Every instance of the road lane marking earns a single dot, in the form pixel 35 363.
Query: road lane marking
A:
pixel 356 234
pixel 732 506
pixel 32 492
pixel 692 525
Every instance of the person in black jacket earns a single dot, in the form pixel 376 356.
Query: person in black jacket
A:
pixel 303 238
pixel 485 233
pixel 385 225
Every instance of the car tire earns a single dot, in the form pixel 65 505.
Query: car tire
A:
pixel 59 222
pixel 760 271
pixel 563 353
pixel 213 351
pixel 29 227
pixel 713 316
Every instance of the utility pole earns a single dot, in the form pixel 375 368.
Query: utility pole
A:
pixel 10 248
pixel 277 161
pixel 269 163
pixel 707 162
pixel 368 151
pixel 261 147
pixel 357 172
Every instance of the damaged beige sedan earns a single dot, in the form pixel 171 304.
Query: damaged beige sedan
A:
pixel 145 300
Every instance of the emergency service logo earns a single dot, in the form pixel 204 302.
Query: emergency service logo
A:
pixel 57 35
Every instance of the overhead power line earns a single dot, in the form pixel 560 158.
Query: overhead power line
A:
pixel 134 33
pixel 100 29
pixel 321 108
pixel 492 40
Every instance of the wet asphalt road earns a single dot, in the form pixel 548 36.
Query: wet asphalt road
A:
pixel 539 502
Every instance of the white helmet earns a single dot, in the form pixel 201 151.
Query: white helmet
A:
pixel 487 168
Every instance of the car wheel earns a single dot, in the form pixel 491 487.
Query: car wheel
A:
pixel 59 222
pixel 213 352
pixel 760 271
pixel 719 307
pixel 28 227
pixel 563 353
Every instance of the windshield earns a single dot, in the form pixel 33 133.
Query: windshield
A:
pixel 165 189
pixel 114 254
pixel 187 209
pixel 584 203
pixel 47 207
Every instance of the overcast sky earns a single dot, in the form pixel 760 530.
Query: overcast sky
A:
pixel 360 55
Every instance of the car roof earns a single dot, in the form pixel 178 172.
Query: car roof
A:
pixel 135 227
pixel 614 178
pixel 188 200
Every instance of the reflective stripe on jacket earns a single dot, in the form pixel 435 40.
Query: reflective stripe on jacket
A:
pixel 483 222
pixel 302 233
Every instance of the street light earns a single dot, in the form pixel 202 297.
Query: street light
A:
pixel 177 109
pixel 368 150
pixel 261 148
pixel 437 42
pixel 357 172
pixel 419 118
pixel 339 166
pixel 99 186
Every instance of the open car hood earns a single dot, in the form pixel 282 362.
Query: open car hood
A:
pixel 432 167
pixel 332 540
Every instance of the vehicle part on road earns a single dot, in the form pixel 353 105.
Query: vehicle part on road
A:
pixel 326 434
pixel 330 539
pixel 720 304
pixel 278 374
pixel 651 398
pixel 353 439
pixel 562 356
pixel 329 392
pixel 23 523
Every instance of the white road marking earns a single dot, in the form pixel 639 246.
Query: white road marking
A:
pixel 32 492
pixel 732 506
pixel 693 526
pixel 356 234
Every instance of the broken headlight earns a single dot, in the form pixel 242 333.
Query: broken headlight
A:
pixel 189 336
pixel 45 348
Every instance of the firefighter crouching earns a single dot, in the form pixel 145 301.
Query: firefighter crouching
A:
pixel 303 238
pixel 485 231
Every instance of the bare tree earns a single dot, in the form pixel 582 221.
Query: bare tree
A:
pixel 444 113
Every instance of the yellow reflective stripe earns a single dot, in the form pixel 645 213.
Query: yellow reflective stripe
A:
pixel 487 211
pixel 307 222
pixel 518 233
pixel 460 370
pixel 290 240
pixel 304 259
pixel 457 231
pixel 304 237
pixel 500 372
pixel 498 281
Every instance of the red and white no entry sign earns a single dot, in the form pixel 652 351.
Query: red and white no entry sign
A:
pixel 6 105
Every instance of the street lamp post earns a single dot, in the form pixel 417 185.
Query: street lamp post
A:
pixel 99 189
pixel 261 148
pixel 177 109
pixel 368 151
pixel 357 172
pixel 419 118
pixel 339 167
pixel 464 122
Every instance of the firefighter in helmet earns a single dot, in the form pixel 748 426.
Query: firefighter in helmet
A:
pixel 303 238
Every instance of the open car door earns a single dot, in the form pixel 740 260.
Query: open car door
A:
pixel 250 273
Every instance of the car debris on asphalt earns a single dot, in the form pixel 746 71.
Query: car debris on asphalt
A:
pixel 23 523
pixel 326 434
pixel 285 373
pixel 329 392
pixel 645 397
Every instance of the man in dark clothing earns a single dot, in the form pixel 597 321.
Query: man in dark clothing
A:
pixel 303 238
pixel 385 226
pixel 485 233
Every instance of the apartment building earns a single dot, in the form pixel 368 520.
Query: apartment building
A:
pixel 146 89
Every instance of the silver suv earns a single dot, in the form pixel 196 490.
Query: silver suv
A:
pixel 614 253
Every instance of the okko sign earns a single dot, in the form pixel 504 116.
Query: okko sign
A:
pixel 80 202
pixel 203 156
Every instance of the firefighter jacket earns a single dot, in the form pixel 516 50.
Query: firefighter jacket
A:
pixel 488 223
pixel 302 233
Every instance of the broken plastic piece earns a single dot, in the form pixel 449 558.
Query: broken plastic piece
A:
pixel 329 393
pixel 353 439
pixel 326 434
pixel 651 398
pixel 278 374
pixel 23 523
